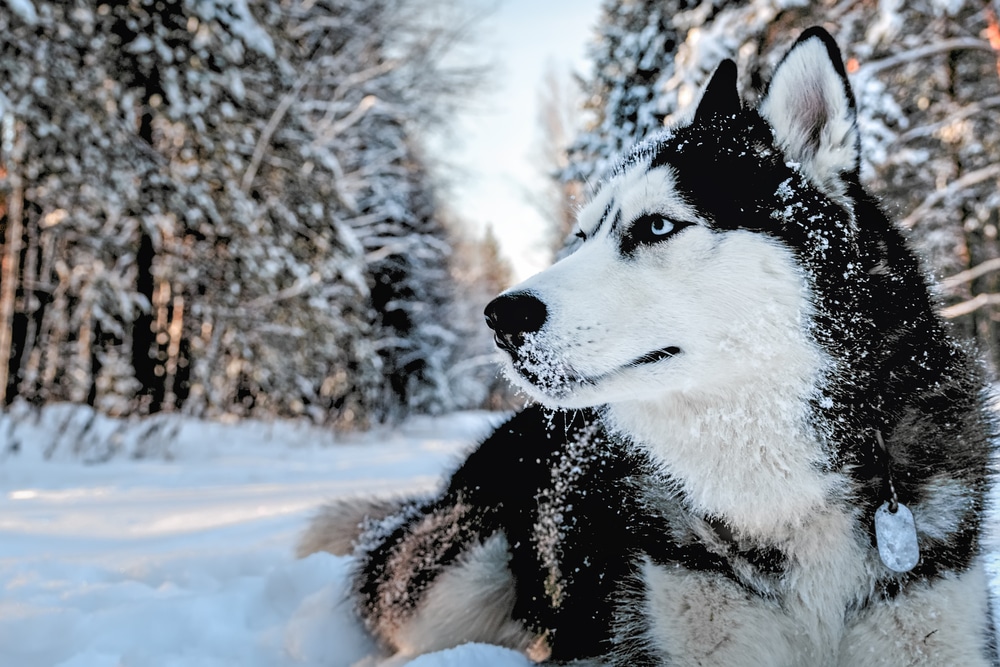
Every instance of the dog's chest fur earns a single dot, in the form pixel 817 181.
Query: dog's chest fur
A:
pixel 792 591
pixel 750 479
pixel 751 462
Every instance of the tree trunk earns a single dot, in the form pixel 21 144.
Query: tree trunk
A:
pixel 10 268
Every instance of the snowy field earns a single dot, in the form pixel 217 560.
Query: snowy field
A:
pixel 185 558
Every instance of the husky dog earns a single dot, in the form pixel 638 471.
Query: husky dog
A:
pixel 796 452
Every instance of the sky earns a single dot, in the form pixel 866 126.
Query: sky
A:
pixel 495 155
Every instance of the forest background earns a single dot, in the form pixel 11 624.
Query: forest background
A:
pixel 226 208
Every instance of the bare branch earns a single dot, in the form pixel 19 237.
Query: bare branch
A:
pixel 970 306
pixel 270 129
pixel 302 285
pixel 968 180
pixel 960 43
pixel 967 276
pixel 332 129
pixel 12 152
pixel 963 112
pixel 355 80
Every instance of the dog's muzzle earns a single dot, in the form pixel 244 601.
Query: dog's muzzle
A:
pixel 512 317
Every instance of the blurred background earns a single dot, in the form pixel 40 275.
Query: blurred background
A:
pixel 298 208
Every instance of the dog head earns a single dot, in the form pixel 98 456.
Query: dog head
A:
pixel 708 256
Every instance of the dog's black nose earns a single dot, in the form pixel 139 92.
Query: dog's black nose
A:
pixel 511 316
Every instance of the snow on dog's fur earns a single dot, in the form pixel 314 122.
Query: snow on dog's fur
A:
pixel 759 368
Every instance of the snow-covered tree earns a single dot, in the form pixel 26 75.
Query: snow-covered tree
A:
pixel 632 64
pixel 223 209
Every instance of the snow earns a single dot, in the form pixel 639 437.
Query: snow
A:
pixel 186 558
pixel 25 9
pixel 180 552
pixel 236 14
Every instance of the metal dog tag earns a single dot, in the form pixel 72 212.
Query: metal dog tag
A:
pixel 896 537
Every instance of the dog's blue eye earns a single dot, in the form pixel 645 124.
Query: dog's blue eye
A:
pixel 653 228
pixel 649 229
pixel 661 227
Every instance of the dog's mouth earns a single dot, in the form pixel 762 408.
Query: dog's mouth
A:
pixel 655 356
pixel 547 371
pixel 556 385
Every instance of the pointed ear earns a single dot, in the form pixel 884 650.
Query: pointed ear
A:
pixel 811 108
pixel 720 96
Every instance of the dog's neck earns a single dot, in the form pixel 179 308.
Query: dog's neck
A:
pixel 746 456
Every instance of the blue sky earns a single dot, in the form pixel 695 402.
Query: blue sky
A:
pixel 496 154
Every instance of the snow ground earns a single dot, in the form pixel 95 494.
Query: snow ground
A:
pixel 185 558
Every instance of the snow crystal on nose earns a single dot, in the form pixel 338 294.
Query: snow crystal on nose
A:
pixel 542 366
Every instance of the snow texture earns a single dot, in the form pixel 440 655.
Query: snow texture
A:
pixel 185 557
pixel 237 17
pixel 24 9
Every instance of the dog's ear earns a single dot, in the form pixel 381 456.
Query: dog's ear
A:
pixel 720 97
pixel 811 107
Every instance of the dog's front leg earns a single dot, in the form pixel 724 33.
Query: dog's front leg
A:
pixel 436 575
pixel 469 601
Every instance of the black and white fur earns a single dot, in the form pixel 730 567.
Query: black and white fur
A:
pixel 525 546
pixel 745 329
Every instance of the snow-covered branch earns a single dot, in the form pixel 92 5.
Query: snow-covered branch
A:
pixel 961 113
